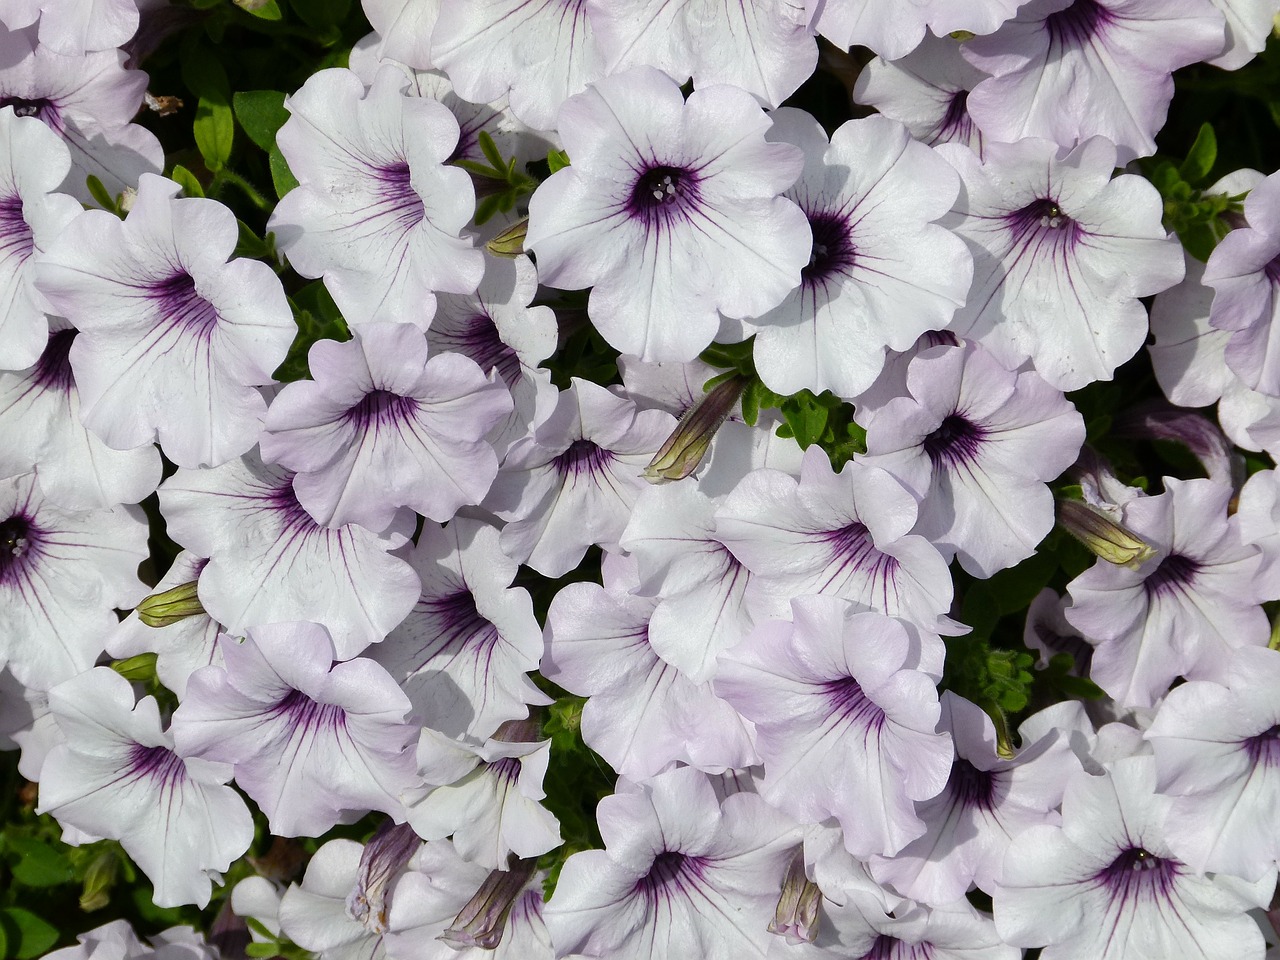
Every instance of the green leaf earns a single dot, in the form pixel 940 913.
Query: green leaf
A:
pixel 99 193
pixel 806 415
pixel 26 934
pixel 261 113
pixel 249 244
pixel 214 126
pixel 557 160
pixel 487 208
pixel 39 864
pixel 281 176
pixel 263 11
pixel 321 14
pixel 491 152
pixel 1201 158
pixel 187 180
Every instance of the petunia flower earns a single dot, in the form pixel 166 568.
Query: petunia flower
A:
pixel 1105 884
pixel 1067 70
pixel 976 442
pixel 670 212
pixel 404 29
pixel 314 742
pixel 270 562
pixel 533 52
pixel 119 776
pixel 378 214
pixel 382 426
pixel 681 875
pixel 75 27
pixel 174 337
pixel 762 46
pixel 61 574
pixel 844 724
pixel 880 272
pixel 1062 253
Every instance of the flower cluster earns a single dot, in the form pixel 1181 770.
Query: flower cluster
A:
pixel 599 511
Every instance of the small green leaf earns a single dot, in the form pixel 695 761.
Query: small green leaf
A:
pixel 27 935
pixel 187 181
pixel 491 151
pixel 557 160
pixel 214 125
pixel 1202 156
pixel 249 244
pixel 487 208
pixel 39 864
pixel 263 11
pixel 261 113
pixel 99 193
pixel 281 176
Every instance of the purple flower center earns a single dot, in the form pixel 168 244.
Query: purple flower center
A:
pixel 457 623
pixel 582 457
pixel 294 519
pixel 41 108
pixel 506 769
pixel 305 715
pixel 956 124
pixel 668 876
pixel 400 201
pixel 16 238
pixel 53 369
pixel 663 196
pixel 1078 24
pixel 891 948
pixel 850 705
pixel 854 552
pixel 158 764
pixel 1174 572
pixel 182 308
pixel 957 441
pixel 481 342
pixel 18 537
pixel 970 787
pixel 832 254
pixel 1041 229
pixel 1263 749
pixel 1138 874
pixel 382 408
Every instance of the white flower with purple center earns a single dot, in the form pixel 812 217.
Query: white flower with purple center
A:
pixel 118 776
pixel 88 101
pixel 174 336
pixel 270 562
pixel 573 482
pixel 681 875
pixel 40 421
pixel 844 723
pixel 880 272
pixel 1217 750
pixel 670 212
pixel 1244 272
pixel 33 162
pixel 1105 885
pixel 61 574
pixel 987 801
pixel 378 214
pixel 498 329
pixel 383 426
pixel 537 53
pixel 1067 70
pixel 761 46
pixel 975 442
pixel 844 535
pixel 642 713
pixel 486 797
pixel 1062 253
pixel 314 742
pixel 1180 613
pixel 928 90
pixel 463 653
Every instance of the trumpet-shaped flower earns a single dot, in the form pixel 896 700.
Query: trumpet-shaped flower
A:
pixel 670 212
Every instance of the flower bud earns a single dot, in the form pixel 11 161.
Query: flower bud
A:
pixel 683 451
pixel 167 608
pixel 510 242
pixel 1102 535
pixel 99 878
pixel 389 849
pixel 796 918
pixel 483 920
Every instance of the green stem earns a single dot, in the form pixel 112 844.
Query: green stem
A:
pixel 226 176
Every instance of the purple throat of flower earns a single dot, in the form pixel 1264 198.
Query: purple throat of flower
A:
pixel 19 542
pixel 956 442
pixel 664 196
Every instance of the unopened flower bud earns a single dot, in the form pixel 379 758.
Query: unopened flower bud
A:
pixel 683 451
pixel 510 242
pixel 796 918
pixel 389 849
pixel 166 608
pixel 1102 535
pixel 483 920
pixel 141 668
pixel 99 877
